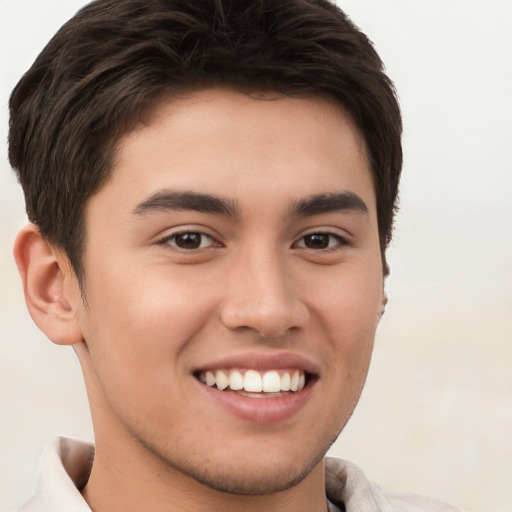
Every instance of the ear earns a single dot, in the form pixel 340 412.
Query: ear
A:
pixel 51 289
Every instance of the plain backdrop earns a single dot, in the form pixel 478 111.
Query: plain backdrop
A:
pixel 436 415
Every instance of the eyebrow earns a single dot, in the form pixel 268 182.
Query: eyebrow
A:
pixel 327 203
pixel 317 204
pixel 165 200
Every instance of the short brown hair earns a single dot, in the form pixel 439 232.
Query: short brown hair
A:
pixel 105 68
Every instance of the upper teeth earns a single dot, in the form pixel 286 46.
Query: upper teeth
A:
pixel 255 382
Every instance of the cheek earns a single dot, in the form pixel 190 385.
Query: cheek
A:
pixel 138 323
pixel 349 309
pixel 352 299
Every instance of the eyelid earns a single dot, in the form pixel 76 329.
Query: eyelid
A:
pixel 343 240
pixel 182 230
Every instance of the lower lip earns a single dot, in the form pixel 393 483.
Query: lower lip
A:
pixel 260 410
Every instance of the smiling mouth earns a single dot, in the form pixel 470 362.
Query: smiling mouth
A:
pixel 255 384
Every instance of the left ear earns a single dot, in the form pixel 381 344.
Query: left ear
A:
pixel 50 286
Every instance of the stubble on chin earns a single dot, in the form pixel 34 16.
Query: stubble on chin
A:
pixel 243 478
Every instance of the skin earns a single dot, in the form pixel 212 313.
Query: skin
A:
pixel 259 286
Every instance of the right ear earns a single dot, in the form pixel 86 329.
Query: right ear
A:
pixel 51 288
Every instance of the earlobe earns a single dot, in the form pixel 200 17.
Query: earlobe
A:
pixel 49 285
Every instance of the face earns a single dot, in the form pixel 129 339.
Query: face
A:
pixel 234 282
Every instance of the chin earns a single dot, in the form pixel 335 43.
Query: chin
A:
pixel 268 479
pixel 263 471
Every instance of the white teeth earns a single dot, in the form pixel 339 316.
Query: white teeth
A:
pixel 271 382
pixel 285 382
pixel 236 381
pixel 253 381
pixel 294 384
pixel 210 379
pixel 302 381
pixel 222 380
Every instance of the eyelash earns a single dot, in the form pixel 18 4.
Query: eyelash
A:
pixel 339 241
pixel 168 240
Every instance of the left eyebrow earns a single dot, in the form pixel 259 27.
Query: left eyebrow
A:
pixel 327 203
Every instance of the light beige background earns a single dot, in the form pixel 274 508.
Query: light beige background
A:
pixel 436 416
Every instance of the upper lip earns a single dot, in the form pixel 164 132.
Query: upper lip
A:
pixel 262 362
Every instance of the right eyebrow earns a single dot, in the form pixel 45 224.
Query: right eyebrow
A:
pixel 165 200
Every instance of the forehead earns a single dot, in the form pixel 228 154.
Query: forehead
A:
pixel 223 139
pixel 196 112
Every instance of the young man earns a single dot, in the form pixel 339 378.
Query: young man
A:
pixel 211 186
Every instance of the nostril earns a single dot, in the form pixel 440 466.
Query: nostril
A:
pixel 265 324
pixel 263 303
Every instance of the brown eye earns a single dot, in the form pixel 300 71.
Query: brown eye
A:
pixel 317 241
pixel 189 240
pixel 321 241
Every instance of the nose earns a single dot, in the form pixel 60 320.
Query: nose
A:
pixel 261 296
